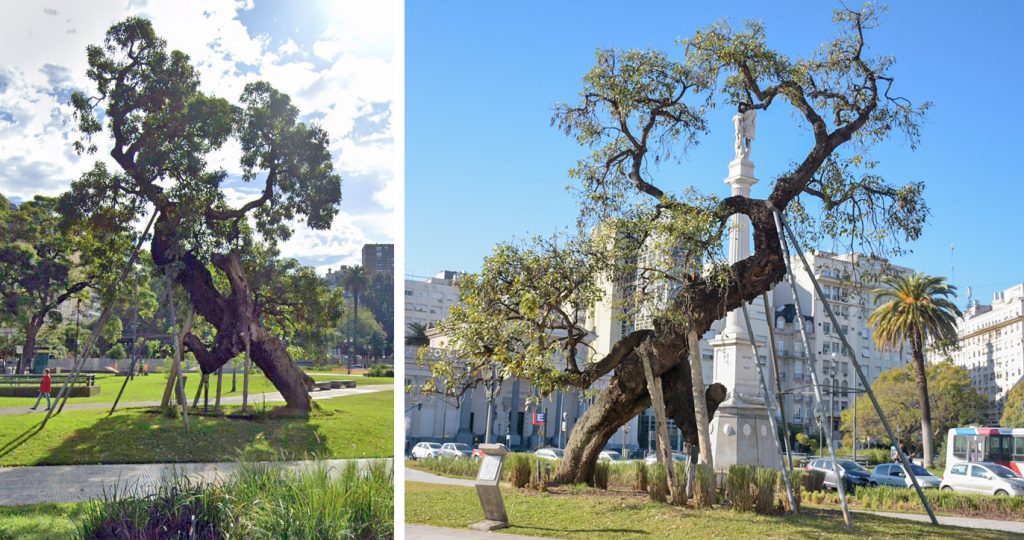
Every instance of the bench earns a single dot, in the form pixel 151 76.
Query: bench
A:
pixel 28 385
pixel 329 385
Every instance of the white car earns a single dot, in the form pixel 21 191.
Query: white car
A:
pixel 652 458
pixel 549 453
pixel 455 450
pixel 425 450
pixel 987 478
pixel 609 455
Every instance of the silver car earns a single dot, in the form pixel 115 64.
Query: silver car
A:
pixel 549 453
pixel 456 450
pixel 893 474
pixel 987 478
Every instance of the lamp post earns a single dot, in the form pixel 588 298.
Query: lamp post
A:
pixel 626 436
pixel 832 406
pixel 492 391
pixel 856 391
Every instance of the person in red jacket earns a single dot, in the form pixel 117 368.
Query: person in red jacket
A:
pixel 44 390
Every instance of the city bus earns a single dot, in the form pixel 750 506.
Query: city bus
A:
pixel 1004 446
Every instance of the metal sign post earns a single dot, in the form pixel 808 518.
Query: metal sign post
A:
pixel 488 489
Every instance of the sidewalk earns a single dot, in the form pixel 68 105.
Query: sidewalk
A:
pixel 971 523
pixel 429 532
pixel 77 483
pixel 254 399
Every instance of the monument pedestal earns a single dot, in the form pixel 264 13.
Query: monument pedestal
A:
pixel 742 435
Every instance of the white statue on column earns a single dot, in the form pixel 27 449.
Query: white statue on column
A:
pixel 745 123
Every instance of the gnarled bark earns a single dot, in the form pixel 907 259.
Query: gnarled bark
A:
pixel 234 316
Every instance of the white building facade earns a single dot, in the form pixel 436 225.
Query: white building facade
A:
pixel 991 346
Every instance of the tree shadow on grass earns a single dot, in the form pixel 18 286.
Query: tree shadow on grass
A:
pixel 20 439
pixel 147 436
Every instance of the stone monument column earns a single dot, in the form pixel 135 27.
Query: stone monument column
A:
pixel 740 430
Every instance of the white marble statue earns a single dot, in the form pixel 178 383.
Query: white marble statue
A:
pixel 745 124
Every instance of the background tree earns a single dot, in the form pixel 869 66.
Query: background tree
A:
pixel 365 332
pixel 163 131
pixel 44 263
pixel 952 401
pixel 355 281
pixel 526 308
pixel 416 335
pixel 1013 409
pixel 380 299
pixel 916 309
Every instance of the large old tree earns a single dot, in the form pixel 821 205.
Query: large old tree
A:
pixel 163 132
pixel 528 308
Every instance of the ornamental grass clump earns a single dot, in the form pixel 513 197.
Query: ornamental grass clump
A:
pixel 814 481
pixel 704 486
pixel 639 476
pixel 739 489
pixel 764 490
pixel 601 473
pixel 795 480
pixel 517 470
pixel 657 482
pixel 679 484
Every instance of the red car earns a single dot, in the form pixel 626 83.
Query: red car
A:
pixel 478 453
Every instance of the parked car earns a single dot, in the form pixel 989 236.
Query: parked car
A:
pixel 893 474
pixel 609 455
pixel 852 473
pixel 425 450
pixel 549 453
pixel 478 453
pixel 987 478
pixel 652 458
pixel 455 450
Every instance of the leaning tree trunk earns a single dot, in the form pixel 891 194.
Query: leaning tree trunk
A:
pixel 921 378
pixel 29 348
pixel 235 316
pixel 626 396
pixel 700 412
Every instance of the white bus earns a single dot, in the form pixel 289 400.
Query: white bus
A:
pixel 1004 446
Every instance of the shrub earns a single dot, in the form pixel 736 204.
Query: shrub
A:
pixel 738 488
pixel 380 370
pixel 541 472
pixel 451 466
pixel 795 480
pixel 814 481
pixel 518 467
pixel 657 483
pixel 601 472
pixel 679 484
pixel 764 490
pixel 639 476
pixel 704 486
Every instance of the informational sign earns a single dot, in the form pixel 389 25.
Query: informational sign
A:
pixel 488 488
pixel 489 469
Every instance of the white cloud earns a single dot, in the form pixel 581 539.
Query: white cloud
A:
pixel 35 120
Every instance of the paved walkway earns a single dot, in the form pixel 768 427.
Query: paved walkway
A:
pixel 76 483
pixel 269 397
pixel 971 523
pixel 415 475
pixel 429 532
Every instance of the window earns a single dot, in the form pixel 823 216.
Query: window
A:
pixel 960 447
pixel 826 328
pixel 959 469
pixel 978 472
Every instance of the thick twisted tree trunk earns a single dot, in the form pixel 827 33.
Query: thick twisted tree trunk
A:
pixel 921 378
pixel 235 316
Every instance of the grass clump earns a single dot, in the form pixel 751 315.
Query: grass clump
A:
pixel 704 486
pixel 639 482
pixel 679 484
pixel 764 490
pixel 452 466
pixel 517 468
pixel 795 480
pixel 657 482
pixel 738 488
pixel 601 474
pixel 260 502
pixel 813 481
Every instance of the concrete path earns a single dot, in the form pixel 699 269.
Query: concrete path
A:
pixel 254 399
pixel 971 523
pixel 429 532
pixel 414 475
pixel 76 483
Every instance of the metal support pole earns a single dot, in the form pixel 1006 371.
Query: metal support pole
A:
pixel 819 401
pixel 860 373
pixel 135 359
pixel 178 346
pixel 769 403
pixel 778 380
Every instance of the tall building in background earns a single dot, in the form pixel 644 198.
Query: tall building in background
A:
pixel 379 258
pixel 991 346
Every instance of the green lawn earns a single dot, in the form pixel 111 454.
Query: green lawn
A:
pixel 346 427
pixel 151 387
pixel 39 521
pixel 625 516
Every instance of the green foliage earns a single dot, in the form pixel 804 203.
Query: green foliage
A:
pixel 518 467
pixel 657 482
pixel 116 352
pixel 808 441
pixel 813 481
pixel 917 308
pixel 380 370
pixel 601 470
pixel 704 488
pixel 954 402
pixel 739 487
pixel 416 335
pixel 764 490
pixel 639 476
pixel 796 480
pixel 461 467
pixel 679 484
pixel 1013 409
pixel 258 502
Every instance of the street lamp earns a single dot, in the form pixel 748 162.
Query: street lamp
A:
pixel 493 387
pixel 624 441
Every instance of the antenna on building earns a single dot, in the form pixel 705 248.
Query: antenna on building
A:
pixel 952 263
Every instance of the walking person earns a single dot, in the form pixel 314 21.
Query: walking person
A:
pixel 44 390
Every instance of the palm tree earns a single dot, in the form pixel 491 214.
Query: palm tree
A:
pixel 916 309
pixel 355 281
pixel 416 335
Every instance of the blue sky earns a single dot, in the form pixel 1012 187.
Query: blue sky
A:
pixel 337 60
pixel 483 165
